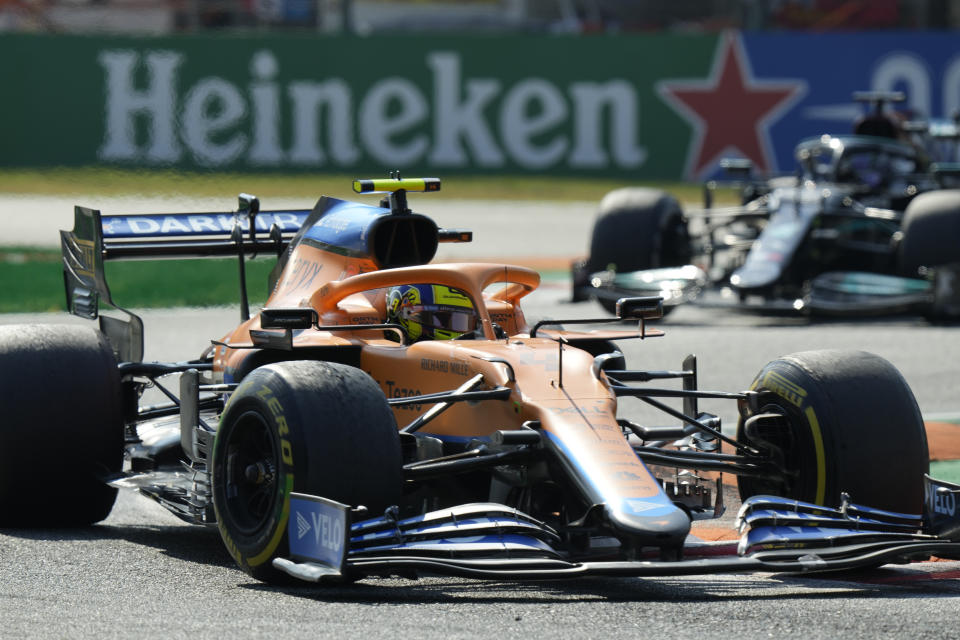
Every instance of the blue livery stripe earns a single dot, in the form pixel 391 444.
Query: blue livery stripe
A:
pixel 197 224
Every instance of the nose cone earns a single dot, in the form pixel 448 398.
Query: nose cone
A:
pixel 654 520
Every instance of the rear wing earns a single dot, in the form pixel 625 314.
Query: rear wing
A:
pixel 379 232
pixel 189 235
pixel 96 238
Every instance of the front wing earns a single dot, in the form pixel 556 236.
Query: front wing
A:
pixel 834 293
pixel 492 541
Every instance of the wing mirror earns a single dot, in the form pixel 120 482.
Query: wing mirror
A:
pixel 737 166
pixel 644 308
pixel 289 318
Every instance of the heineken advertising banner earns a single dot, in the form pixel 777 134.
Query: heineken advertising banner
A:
pixel 630 106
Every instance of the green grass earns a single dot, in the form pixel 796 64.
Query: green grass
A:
pixel 948 470
pixel 265 185
pixel 32 281
pixel 29 281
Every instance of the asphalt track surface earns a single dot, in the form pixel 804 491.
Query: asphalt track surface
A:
pixel 142 572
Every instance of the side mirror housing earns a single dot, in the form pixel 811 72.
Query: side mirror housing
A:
pixel 737 166
pixel 289 318
pixel 645 308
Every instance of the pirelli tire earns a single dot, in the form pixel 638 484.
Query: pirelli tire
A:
pixel 638 228
pixel 930 232
pixel 61 425
pixel 311 427
pixel 849 424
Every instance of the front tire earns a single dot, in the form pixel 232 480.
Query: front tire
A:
pixel 636 228
pixel 931 228
pixel 61 425
pixel 312 427
pixel 850 424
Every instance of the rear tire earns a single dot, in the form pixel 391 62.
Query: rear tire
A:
pixel 851 425
pixel 319 428
pixel 931 228
pixel 62 425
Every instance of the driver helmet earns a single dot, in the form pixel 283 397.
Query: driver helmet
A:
pixel 431 311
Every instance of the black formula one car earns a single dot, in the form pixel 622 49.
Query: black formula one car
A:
pixel 383 416
pixel 868 225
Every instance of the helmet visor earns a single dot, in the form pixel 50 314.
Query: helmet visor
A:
pixel 440 316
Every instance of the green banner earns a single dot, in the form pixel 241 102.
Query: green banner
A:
pixel 425 105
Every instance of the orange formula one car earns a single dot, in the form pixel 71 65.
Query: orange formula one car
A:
pixel 384 415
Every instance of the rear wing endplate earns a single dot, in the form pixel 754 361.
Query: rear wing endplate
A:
pixel 86 284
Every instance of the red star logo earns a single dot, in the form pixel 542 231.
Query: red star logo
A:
pixel 731 111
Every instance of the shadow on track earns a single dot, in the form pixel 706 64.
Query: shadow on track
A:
pixel 202 546
pixel 709 589
pixel 188 543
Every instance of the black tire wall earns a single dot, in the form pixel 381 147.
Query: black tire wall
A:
pixel 854 426
pixel 638 228
pixel 327 431
pixel 61 425
pixel 931 232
